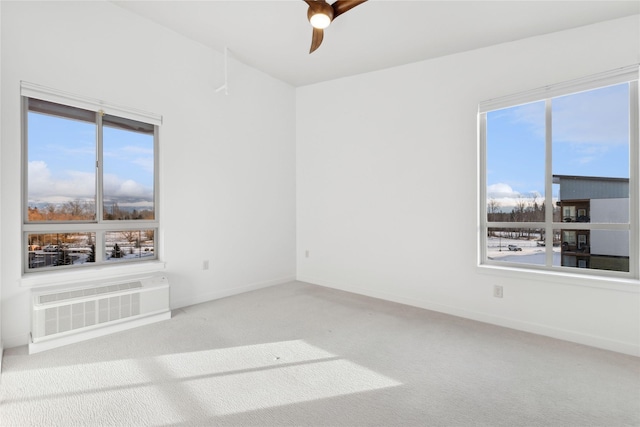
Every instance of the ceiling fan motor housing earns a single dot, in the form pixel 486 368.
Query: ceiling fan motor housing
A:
pixel 322 8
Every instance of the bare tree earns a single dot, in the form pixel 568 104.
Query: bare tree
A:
pixel 74 208
pixel 521 205
pixel 50 210
pixel 131 235
pixel 492 208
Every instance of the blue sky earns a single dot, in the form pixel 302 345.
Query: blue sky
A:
pixel 62 156
pixel 590 138
pixel 128 167
pixel 590 134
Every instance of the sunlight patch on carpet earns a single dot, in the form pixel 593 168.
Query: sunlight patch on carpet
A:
pixel 178 387
pixel 267 375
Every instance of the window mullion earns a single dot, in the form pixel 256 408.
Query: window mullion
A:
pixel 99 167
pixel 634 177
pixel 482 187
pixel 99 247
pixel 548 184
pixel 25 160
pixel 156 173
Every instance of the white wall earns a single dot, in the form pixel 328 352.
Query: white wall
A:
pixel 227 162
pixel 387 190
pixel 609 242
pixel 609 210
pixel 386 195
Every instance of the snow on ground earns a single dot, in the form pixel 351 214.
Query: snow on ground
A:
pixel 531 253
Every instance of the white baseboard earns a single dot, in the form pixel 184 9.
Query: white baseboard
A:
pixel 535 328
pixel 16 340
pixel 210 296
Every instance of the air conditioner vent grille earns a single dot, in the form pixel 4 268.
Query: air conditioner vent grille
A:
pixel 73 314
pixel 79 315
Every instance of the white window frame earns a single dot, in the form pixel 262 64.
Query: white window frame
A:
pixel 622 75
pixel 98 226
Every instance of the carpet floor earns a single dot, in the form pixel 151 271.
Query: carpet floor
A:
pixel 304 355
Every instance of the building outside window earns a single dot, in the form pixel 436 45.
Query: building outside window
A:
pixel 90 182
pixel 559 177
pixel 610 200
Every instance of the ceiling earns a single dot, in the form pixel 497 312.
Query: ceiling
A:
pixel 275 36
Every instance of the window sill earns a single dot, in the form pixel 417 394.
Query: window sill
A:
pixel 49 278
pixel 609 283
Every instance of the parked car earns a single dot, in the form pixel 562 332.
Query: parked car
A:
pixel 514 248
pixel 51 248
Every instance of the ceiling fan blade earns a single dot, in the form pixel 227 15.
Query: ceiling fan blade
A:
pixel 342 6
pixel 316 39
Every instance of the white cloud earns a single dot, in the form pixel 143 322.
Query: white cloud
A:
pixel 532 115
pixel 138 150
pixel 506 198
pixel 598 117
pixel 501 190
pixel 143 204
pixel 39 175
pixel 146 163
pixel 130 188
pixel 594 117
pixel 44 187
pixel 126 192
pixel 585 160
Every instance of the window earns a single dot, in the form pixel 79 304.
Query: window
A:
pixel 559 177
pixel 89 183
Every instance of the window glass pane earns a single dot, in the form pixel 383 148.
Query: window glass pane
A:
pixel 515 143
pixel 128 179
pixel 60 249
pixel 587 166
pixel 596 249
pixel 61 155
pixel 69 152
pixel 591 155
pixel 129 244
pixel 518 245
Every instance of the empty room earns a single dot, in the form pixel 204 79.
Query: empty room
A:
pixel 319 213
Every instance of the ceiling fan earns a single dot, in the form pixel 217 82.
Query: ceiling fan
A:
pixel 321 14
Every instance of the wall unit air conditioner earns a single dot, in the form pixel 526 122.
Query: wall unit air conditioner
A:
pixel 76 313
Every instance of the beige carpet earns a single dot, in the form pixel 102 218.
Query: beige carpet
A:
pixel 298 354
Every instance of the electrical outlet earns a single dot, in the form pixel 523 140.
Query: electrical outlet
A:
pixel 205 264
pixel 497 291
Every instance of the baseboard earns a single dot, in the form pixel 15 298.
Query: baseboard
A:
pixel 210 296
pixel 16 340
pixel 534 328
